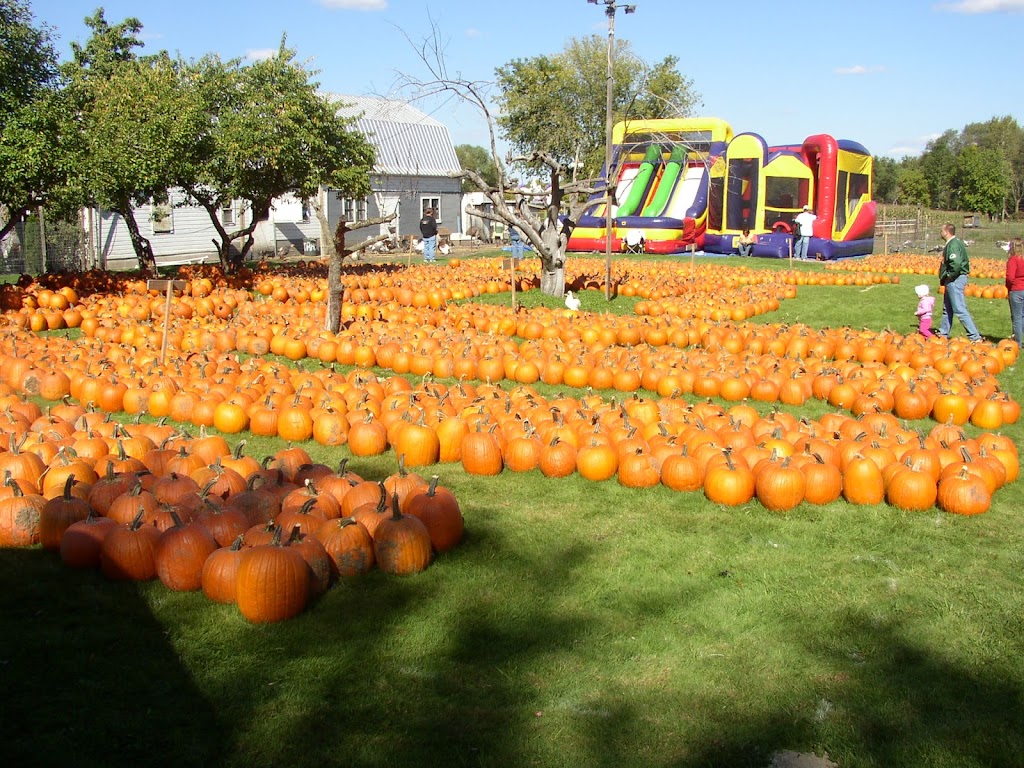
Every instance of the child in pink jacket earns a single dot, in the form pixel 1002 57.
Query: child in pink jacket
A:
pixel 924 310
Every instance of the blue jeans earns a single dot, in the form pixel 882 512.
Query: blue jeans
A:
pixel 954 303
pixel 1017 316
pixel 800 250
pixel 744 250
pixel 429 244
pixel 517 248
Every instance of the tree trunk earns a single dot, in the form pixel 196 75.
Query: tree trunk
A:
pixel 318 204
pixel 552 279
pixel 142 246
pixel 335 290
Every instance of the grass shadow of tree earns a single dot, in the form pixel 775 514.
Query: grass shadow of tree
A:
pixel 89 677
pixel 888 703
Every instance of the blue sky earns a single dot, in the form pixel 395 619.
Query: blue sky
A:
pixel 891 74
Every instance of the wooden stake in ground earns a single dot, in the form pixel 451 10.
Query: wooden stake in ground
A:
pixel 170 286
pixel 693 259
pixel 510 264
pixel 790 252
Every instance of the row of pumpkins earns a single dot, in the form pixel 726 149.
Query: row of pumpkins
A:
pixel 269 541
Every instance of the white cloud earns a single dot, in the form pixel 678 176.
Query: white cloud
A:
pixel 913 146
pixel 474 32
pixel 983 6
pixel 259 54
pixel 903 151
pixel 356 5
pixel 859 69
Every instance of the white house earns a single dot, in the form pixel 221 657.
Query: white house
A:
pixel 414 157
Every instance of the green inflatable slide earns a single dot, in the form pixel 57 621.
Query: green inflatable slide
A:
pixel 642 180
pixel 676 162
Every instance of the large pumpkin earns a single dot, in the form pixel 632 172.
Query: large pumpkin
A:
pixel 128 553
pixel 20 518
pixel 401 543
pixel 181 553
pixel 81 543
pixel 438 510
pixel 780 486
pixel 729 483
pixel 59 514
pixel 349 546
pixel 272 583
pixel 220 573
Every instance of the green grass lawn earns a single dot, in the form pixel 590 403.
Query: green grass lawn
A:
pixel 579 624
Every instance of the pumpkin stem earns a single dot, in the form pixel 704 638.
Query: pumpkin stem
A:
pixel 382 502
pixel 396 513
pixel 432 488
pixel 68 484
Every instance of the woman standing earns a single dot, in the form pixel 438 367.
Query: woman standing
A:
pixel 1015 286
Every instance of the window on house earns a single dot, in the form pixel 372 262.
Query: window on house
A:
pixel 227 214
pixel 161 218
pixel 431 202
pixel 354 210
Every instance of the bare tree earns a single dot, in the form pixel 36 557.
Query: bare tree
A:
pixel 536 214
pixel 335 249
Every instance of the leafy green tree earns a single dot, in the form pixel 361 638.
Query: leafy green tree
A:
pixel 886 171
pixel 938 163
pixel 122 119
pixel 140 134
pixel 556 104
pixel 1005 136
pixel 478 159
pixel 271 134
pixel 912 186
pixel 30 162
pixel 981 180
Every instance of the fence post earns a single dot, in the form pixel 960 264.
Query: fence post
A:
pixel 42 242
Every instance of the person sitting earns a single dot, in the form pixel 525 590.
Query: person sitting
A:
pixel 745 243
pixel 634 241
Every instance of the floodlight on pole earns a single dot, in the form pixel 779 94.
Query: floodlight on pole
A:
pixel 610 7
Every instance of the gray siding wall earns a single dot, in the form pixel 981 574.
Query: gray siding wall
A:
pixel 411 190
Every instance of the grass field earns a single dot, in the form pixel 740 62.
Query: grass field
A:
pixel 579 624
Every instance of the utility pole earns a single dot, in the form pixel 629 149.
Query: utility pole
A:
pixel 610 7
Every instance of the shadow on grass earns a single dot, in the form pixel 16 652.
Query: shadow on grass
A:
pixel 88 675
pixel 491 657
pixel 887 702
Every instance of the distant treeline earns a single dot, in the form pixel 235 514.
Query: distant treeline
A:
pixel 978 168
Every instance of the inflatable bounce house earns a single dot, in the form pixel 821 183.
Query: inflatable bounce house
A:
pixel 690 182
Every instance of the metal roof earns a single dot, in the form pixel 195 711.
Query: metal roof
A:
pixel 408 141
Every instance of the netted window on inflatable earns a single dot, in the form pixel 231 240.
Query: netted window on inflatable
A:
pixel 780 200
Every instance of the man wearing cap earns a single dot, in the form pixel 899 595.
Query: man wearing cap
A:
pixel 804 229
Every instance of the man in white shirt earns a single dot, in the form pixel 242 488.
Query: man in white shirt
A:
pixel 804 230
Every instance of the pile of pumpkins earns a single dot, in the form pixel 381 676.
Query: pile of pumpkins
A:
pixel 268 536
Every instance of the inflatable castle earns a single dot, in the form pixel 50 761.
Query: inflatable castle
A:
pixel 690 182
